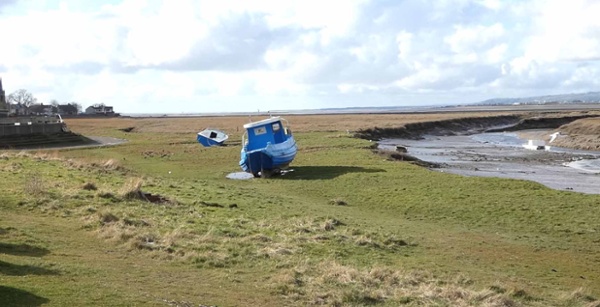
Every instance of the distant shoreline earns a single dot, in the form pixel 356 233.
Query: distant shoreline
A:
pixel 382 110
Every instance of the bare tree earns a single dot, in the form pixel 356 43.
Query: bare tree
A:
pixel 78 106
pixel 22 97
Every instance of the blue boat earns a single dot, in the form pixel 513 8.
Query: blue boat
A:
pixel 268 147
pixel 212 137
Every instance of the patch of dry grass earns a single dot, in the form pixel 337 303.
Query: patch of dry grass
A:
pixel 110 164
pixel 34 185
pixel 580 134
pixel 132 189
pixel 52 155
pixel 233 124
pixel 585 126
pixel 105 166
pixel 134 233
pixel 333 284
pixel 46 156
pixel 117 232
pixel 237 240
pixel 580 297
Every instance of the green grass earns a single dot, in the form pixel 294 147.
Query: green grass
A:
pixel 345 227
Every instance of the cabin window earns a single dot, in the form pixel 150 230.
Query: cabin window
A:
pixel 260 130
pixel 213 135
pixel 276 127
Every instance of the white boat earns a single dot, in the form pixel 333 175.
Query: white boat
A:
pixel 536 145
pixel 211 137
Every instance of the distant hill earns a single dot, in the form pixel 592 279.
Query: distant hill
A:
pixel 590 97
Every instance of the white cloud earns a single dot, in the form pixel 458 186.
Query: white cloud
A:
pixel 565 31
pixel 584 76
pixel 491 4
pixel 238 55
pixel 496 54
pixel 158 38
pixel 472 39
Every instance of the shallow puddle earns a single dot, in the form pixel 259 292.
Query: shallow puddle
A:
pixel 240 176
pixel 588 165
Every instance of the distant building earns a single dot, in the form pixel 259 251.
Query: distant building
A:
pixel 18 109
pixel 67 109
pixel 99 110
pixel 42 109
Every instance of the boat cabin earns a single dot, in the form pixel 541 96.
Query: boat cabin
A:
pixel 261 133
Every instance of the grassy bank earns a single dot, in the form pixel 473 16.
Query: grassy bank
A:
pixel 346 227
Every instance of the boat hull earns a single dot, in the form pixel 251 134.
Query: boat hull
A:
pixel 207 142
pixel 272 158
pixel 211 137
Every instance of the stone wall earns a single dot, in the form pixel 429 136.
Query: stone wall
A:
pixel 26 129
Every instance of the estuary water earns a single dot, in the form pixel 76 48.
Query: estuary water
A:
pixel 502 155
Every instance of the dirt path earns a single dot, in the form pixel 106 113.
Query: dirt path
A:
pixel 106 141
pixel 99 141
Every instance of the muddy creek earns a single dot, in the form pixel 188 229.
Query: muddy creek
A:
pixel 502 155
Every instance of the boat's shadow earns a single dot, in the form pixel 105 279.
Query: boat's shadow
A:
pixel 232 144
pixel 323 172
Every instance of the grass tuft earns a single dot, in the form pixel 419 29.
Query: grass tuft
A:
pixel 132 189
pixel 107 218
pixel 46 156
pixel 338 202
pixel 106 195
pixel 522 295
pixel 117 233
pixel 580 297
pixel 89 186
pixel 147 241
pixel 111 164
pixel 34 185
pixel 393 241
pixel 330 224
pixel 275 251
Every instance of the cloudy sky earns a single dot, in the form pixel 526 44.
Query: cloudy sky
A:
pixel 227 56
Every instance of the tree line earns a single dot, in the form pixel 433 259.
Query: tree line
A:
pixel 26 99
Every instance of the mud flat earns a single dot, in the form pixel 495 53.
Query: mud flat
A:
pixel 502 155
pixel 491 147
